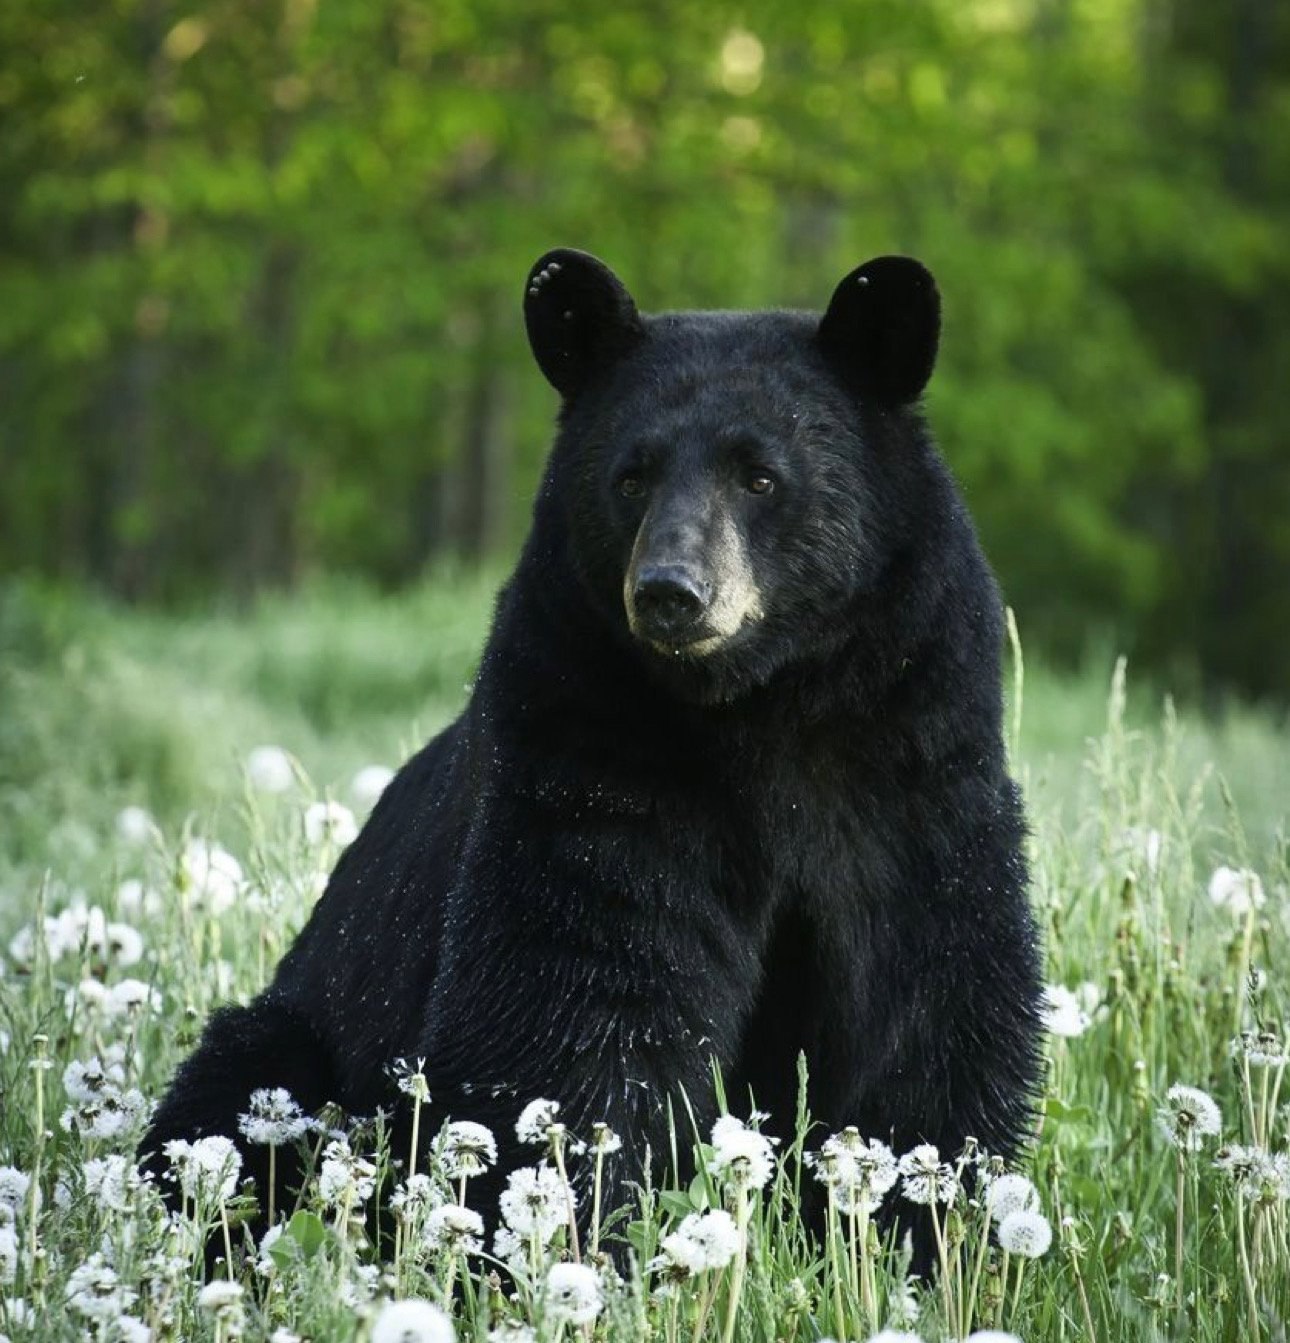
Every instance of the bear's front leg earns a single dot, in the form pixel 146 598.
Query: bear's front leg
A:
pixel 579 969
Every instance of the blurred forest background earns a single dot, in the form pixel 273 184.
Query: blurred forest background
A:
pixel 261 265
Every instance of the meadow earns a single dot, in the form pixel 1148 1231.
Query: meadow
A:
pixel 173 789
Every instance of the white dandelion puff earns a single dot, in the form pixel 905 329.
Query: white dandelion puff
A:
pixel 366 787
pixel 604 1141
pixel 469 1149
pixel 330 823
pixel 893 1336
pixel 741 1156
pixel 536 1121
pixel 8 1254
pixel 272 1118
pixel 572 1294
pixel 269 769
pixel 207 1168
pixel 1236 890
pixel 452 1227
pixel 135 826
pixel 1063 1013
pixel 679 1258
pixel 535 1202
pixel 14 1185
pixel 210 876
pixel 714 1236
pixel 94 1291
pixel 925 1178
pixel 1010 1193
pixel 221 1297
pixel 1188 1116
pixel 412 1321
pixel 1260 1049
pixel 344 1177
pixel 1025 1233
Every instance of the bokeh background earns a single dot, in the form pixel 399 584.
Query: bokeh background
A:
pixel 261 265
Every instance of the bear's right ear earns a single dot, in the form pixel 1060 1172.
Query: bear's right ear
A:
pixel 580 318
pixel 882 328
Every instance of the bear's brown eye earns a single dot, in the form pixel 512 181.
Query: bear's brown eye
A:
pixel 630 487
pixel 760 483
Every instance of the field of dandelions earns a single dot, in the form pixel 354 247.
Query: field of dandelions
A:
pixel 172 794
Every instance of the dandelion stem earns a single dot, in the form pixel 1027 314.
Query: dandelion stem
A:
pixel 1180 1227
pixel 416 1133
pixel 947 1286
pixel 595 1202
pixel 557 1151
pixel 740 1264
pixel 834 1233
pixel 1247 1278
pixel 273 1181
pixel 228 1240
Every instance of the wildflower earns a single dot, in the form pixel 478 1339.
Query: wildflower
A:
pixel 925 1178
pixel 536 1120
pixel 210 875
pixel 1010 1193
pixel 509 1248
pixel 330 823
pixel 112 1182
pixel 83 1081
pixel 14 1185
pixel 344 1177
pixel 714 1237
pixel 128 997
pixel 359 1286
pixel 468 1149
pixel 112 1113
pixel 411 1081
pixel 680 1257
pixel 452 1227
pixel 223 1300
pixel 366 787
pixel 1237 891
pixel 416 1196
pixel 269 769
pixel 511 1331
pixel 893 1336
pixel 535 1202
pixel 131 1330
pixel 1260 1049
pixel 94 1291
pixel 135 826
pixel 1188 1117
pixel 860 1170
pixel 1025 1233
pixel 122 944
pixel 573 1294
pixel 741 1156
pixel 207 1168
pixel 1063 1014
pixel 604 1141
pixel 8 1253
pixel 412 1321
pixel 134 898
pixel 273 1118
pixel 992 1336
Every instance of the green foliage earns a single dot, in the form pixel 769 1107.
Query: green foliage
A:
pixel 259 274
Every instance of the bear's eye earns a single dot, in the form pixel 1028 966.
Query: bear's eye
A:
pixel 760 482
pixel 631 486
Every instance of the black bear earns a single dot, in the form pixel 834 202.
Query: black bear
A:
pixel 731 782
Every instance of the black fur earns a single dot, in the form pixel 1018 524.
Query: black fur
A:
pixel 622 861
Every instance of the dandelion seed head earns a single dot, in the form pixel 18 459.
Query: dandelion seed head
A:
pixel 269 769
pixel 273 1118
pixel 925 1178
pixel 330 823
pixel 1025 1233
pixel 135 827
pixel 412 1321
pixel 1010 1193
pixel 715 1236
pixel 604 1141
pixel 1188 1116
pixel 536 1120
pixel 14 1185
pixel 366 787
pixel 573 1294
pixel 452 1227
pixel 741 1156
pixel 95 1292
pixel 468 1149
pixel 1063 1014
pixel 1238 890
pixel 221 1297
pixel 536 1202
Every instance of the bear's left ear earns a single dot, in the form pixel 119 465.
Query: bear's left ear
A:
pixel 881 329
pixel 580 318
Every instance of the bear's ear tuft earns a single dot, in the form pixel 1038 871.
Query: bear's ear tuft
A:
pixel 580 318
pixel 881 329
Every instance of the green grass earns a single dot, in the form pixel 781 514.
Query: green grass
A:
pixel 101 708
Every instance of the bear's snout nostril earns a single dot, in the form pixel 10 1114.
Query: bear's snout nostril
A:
pixel 669 597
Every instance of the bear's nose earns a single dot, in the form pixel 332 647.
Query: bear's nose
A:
pixel 668 598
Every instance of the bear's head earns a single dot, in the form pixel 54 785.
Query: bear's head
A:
pixel 731 484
